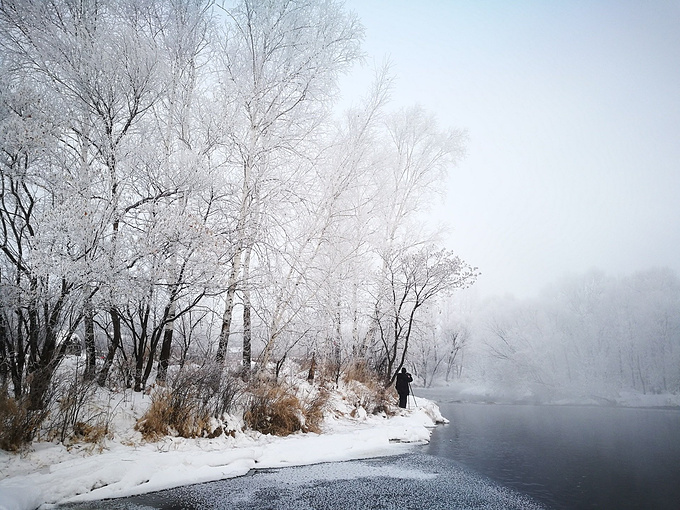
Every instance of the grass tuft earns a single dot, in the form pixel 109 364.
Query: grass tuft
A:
pixel 18 424
pixel 273 409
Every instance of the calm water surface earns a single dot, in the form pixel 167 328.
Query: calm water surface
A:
pixel 567 457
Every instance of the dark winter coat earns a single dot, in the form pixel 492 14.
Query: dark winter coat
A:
pixel 403 380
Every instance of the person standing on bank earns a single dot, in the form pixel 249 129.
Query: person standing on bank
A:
pixel 403 382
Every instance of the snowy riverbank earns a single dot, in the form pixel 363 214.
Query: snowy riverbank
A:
pixel 125 466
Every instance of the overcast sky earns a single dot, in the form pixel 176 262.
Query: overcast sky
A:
pixel 573 114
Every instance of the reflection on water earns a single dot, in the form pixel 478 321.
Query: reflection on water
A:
pixel 568 456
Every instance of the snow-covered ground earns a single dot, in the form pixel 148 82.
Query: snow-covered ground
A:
pixel 51 473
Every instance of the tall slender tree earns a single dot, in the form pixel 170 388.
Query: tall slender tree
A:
pixel 279 65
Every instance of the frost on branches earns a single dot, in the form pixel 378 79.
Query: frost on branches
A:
pixel 174 177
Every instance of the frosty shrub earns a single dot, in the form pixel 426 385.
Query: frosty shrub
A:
pixel 226 392
pixel 68 410
pixel 185 409
pixel 121 375
pixel 313 410
pixel 367 389
pixel 331 370
pixel 18 424
pixel 75 415
pixel 272 408
pixel 215 389
pixel 275 408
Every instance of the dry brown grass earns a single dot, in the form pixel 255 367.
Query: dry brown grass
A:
pixel 90 433
pixel 360 372
pixel 278 409
pixel 12 416
pixel 155 422
pixel 385 401
pixel 273 409
pixel 18 424
pixel 171 414
pixel 313 410
pixel 185 409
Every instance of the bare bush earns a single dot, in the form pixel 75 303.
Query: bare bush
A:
pixel 368 390
pixel 273 409
pixel 186 408
pixel 77 410
pixel 313 410
pixel 224 399
pixel 18 424
pixel 71 414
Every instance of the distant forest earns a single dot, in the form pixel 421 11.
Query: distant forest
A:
pixel 591 335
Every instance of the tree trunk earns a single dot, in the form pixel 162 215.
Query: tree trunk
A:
pixel 245 211
pixel 641 376
pixel 90 354
pixel 312 369
pixel 166 346
pixel 247 323
pixel 142 343
pixel 18 361
pixel 228 310
pixel 113 347
pixel 5 360
pixel 153 345
pixel 40 379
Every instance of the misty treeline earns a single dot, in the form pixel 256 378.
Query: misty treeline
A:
pixel 591 335
pixel 175 186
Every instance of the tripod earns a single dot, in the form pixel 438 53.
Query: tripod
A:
pixel 410 392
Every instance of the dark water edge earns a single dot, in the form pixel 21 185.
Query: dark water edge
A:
pixel 568 457
pixel 414 481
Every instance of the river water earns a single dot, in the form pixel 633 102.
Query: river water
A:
pixel 488 457
pixel 567 457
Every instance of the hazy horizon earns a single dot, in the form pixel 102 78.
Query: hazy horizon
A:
pixel 573 118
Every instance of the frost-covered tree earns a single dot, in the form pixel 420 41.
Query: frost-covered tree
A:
pixel 440 342
pixel 123 77
pixel 39 276
pixel 162 160
pixel 278 68
pixel 415 278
